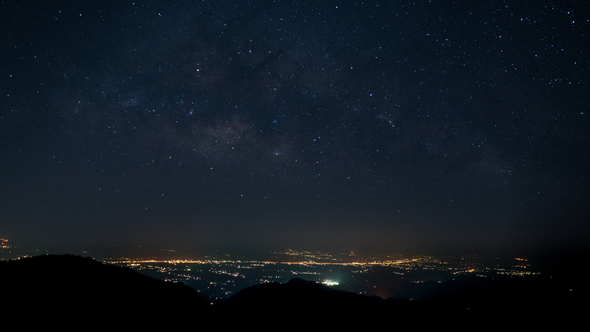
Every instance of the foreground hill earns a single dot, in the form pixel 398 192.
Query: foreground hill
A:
pixel 77 293
pixel 300 303
pixel 510 303
pixel 70 290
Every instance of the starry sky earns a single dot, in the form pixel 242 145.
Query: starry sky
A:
pixel 332 125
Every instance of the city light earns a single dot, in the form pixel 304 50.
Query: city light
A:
pixel 222 278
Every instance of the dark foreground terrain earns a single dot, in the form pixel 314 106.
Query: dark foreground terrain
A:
pixel 78 293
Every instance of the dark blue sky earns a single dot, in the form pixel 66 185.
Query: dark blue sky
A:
pixel 402 125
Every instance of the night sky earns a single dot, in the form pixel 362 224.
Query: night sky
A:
pixel 332 125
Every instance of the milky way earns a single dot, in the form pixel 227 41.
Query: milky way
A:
pixel 342 124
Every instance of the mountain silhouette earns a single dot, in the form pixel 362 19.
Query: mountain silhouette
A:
pixel 73 292
pixel 66 290
pixel 304 304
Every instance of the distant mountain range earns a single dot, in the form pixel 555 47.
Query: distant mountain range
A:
pixel 80 293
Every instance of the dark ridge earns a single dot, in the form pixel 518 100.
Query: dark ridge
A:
pixel 505 302
pixel 68 289
pixel 298 294
pixel 304 304
pixel 77 293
